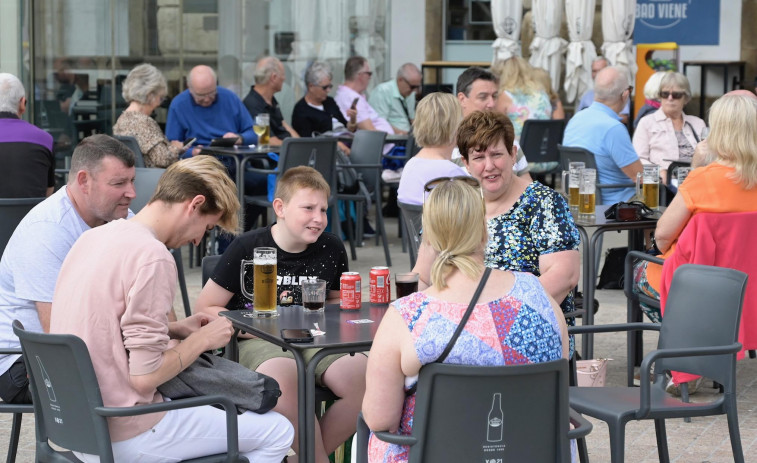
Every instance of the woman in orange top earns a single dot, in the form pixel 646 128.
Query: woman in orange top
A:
pixel 726 185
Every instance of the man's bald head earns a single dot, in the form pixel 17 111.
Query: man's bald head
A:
pixel 609 86
pixel 202 82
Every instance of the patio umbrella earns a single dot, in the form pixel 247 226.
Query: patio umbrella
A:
pixel 506 17
pixel 617 28
pixel 547 47
pixel 579 15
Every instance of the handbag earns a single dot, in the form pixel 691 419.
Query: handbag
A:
pixel 632 211
pixel 591 373
pixel 460 326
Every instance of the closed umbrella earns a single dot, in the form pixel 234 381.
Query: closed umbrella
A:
pixel 579 15
pixel 506 17
pixel 547 47
pixel 617 27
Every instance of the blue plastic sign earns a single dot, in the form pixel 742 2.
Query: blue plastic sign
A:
pixel 686 22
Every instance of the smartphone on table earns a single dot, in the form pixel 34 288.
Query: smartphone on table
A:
pixel 297 335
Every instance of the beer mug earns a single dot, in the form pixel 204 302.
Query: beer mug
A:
pixel 587 198
pixel 682 173
pixel 264 273
pixel 571 180
pixel 648 186
pixel 262 129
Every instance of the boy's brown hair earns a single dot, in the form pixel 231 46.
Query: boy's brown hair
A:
pixel 296 179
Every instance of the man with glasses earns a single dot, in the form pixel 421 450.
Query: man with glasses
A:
pixel 206 111
pixel 599 129
pixel 599 63
pixel 269 80
pixel 394 100
pixel 351 95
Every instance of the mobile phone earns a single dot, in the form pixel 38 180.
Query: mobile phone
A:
pixel 189 142
pixel 224 142
pixel 296 335
pixel 354 103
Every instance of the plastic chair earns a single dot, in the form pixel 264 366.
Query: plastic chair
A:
pixel 695 339
pixel 68 407
pixel 365 158
pixel 132 144
pixel 410 217
pixel 570 154
pixel 12 210
pixel 539 140
pixel 525 408
pixel 17 410
pixel 208 265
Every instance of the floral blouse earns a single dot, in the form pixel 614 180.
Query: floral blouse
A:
pixel 156 149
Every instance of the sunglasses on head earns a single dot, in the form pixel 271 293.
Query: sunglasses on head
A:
pixel 460 178
pixel 676 95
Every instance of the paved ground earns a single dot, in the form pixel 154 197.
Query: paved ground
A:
pixel 704 440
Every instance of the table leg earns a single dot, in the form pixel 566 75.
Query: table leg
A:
pixel 588 276
pixel 303 411
pixel 590 286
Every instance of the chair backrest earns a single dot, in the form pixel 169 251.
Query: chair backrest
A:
pixel 145 183
pixel 209 264
pixel 64 391
pixel 411 228
pixel 318 153
pixel 539 139
pixel 367 148
pixel 12 210
pixel 511 413
pixel 570 154
pixel 132 144
pixel 411 147
pixel 703 309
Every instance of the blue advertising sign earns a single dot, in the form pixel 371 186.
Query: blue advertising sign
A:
pixel 686 22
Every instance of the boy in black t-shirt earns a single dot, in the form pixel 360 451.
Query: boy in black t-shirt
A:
pixel 304 251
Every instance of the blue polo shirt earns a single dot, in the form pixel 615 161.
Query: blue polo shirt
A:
pixel 227 114
pixel 599 130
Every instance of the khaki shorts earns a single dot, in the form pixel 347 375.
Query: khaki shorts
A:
pixel 253 352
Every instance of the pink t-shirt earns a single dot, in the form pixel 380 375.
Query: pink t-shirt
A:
pixel 115 290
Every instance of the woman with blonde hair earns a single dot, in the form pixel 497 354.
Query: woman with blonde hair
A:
pixel 542 76
pixel 521 96
pixel 436 120
pixel 416 329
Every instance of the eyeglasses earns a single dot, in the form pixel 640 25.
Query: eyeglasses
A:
pixel 370 73
pixel 676 95
pixel 326 88
pixel 460 178
pixel 412 87
pixel 629 89
pixel 202 96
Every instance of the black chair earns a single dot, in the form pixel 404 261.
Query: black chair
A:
pixel 12 210
pixel 208 265
pixel 68 407
pixel 410 217
pixel 570 154
pixel 539 140
pixel 693 338
pixel 365 158
pixel 132 144
pixel 318 153
pixel 525 408
pixel 17 410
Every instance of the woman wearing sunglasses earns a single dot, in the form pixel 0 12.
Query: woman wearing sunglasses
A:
pixel 416 329
pixel 529 225
pixel 668 133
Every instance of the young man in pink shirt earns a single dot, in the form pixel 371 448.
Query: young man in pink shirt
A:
pixel 115 290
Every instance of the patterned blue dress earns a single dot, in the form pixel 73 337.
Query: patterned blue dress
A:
pixel 518 328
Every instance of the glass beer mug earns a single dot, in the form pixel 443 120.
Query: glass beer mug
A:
pixel 648 186
pixel 262 129
pixel 571 179
pixel 264 271
pixel 587 198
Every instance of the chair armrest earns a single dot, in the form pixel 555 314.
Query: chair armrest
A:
pixel 262 171
pixel 392 156
pixel 582 426
pixel 361 166
pixel 395 439
pixel 645 395
pixel 614 327
pixel 232 432
pixel 10 351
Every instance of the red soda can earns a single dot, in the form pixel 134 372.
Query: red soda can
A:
pixel 350 291
pixel 379 285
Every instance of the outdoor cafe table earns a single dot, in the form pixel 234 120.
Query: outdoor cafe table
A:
pixel 340 337
pixel 240 155
pixel 592 247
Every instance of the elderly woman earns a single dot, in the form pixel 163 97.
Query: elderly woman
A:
pixel 436 120
pixel 651 97
pixel 529 225
pixel 668 133
pixel 144 89
pixel 416 329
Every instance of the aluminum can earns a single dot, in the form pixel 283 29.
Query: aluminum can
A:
pixel 380 285
pixel 350 291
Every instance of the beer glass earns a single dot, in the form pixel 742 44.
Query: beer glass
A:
pixel 570 180
pixel 648 186
pixel 314 295
pixel 263 296
pixel 682 173
pixel 262 129
pixel 587 194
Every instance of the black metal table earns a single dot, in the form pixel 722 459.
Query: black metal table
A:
pixel 340 337
pixel 601 225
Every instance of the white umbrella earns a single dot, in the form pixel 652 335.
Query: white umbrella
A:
pixel 547 47
pixel 579 15
pixel 506 16
pixel 617 27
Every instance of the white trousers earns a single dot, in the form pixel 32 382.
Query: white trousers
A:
pixel 200 431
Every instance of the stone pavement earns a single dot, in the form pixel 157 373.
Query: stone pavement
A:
pixel 704 440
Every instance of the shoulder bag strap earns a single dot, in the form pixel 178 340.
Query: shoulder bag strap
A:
pixel 465 318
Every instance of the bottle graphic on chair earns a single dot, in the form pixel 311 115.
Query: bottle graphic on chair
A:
pixel 46 380
pixel 495 421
